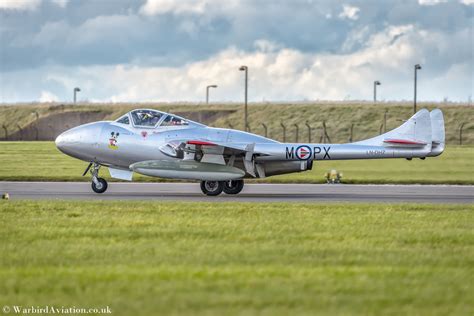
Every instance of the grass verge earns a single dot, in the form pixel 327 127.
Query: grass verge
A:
pixel 152 258
pixel 41 161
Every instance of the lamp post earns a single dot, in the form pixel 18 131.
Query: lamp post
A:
pixel 246 69
pixel 417 67
pixel 207 91
pixel 76 90
pixel 376 83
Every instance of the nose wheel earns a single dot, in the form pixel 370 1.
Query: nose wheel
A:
pixel 99 185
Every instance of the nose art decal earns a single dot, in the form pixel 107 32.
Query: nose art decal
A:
pixel 113 140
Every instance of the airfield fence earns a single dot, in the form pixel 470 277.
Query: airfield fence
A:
pixel 47 127
pixel 52 132
pixel 33 133
pixel 324 135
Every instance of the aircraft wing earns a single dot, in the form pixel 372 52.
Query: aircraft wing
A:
pixel 213 152
pixel 236 148
pixel 208 145
pixel 210 165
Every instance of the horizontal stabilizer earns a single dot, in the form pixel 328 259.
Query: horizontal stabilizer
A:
pixel 403 142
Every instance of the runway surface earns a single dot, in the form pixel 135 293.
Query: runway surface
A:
pixel 250 193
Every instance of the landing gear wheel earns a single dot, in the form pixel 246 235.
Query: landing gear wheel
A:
pixel 100 186
pixel 233 186
pixel 212 188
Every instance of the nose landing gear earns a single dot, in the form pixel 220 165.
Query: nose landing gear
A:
pixel 214 188
pixel 99 185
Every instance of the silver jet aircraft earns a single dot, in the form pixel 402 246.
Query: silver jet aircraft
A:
pixel 159 144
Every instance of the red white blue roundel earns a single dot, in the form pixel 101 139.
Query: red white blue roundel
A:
pixel 303 152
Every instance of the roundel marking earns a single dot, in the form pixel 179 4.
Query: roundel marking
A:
pixel 303 152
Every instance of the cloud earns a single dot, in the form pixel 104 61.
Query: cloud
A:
pixel 19 4
pixel 295 49
pixel 86 33
pixel 157 7
pixel 61 3
pixel 47 96
pixel 349 12
pixel 28 4
pixel 434 2
pixel 280 73
pixel 431 2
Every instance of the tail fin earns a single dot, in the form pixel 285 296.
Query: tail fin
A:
pixel 414 133
pixel 438 134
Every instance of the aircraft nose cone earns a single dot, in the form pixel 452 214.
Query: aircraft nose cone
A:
pixel 60 141
pixel 65 141
pixel 79 142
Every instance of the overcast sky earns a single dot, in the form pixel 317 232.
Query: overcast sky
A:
pixel 164 50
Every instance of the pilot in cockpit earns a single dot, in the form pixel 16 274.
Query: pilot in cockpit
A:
pixel 146 119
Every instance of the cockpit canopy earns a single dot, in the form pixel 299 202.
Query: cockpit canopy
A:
pixel 145 118
pixel 148 118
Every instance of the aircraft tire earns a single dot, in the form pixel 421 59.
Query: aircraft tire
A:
pixel 233 186
pixel 212 188
pixel 101 188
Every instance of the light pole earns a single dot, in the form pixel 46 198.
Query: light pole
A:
pixel 376 83
pixel 207 91
pixel 417 67
pixel 245 68
pixel 76 90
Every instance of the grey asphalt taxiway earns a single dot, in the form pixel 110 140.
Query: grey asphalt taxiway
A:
pixel 250 193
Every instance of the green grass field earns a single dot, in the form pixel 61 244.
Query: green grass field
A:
pixel 41 161
pixel 149 258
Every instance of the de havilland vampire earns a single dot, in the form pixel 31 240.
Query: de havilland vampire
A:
pixel 159 144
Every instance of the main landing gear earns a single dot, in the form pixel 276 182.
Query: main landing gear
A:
pixel 99 185
pixel 233 186
pixel 214 188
